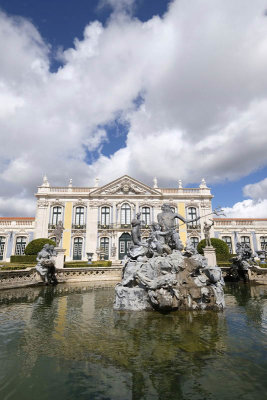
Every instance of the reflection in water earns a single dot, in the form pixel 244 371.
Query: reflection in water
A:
pixel 67 342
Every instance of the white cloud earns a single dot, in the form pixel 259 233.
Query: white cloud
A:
pixel 247 209
pixel 257 190
pixel 201 71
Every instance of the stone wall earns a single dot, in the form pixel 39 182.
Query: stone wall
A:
pixel 29 277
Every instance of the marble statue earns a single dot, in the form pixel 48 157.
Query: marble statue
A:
pixel 58 232
pixel 206 229
pixel 159 275
pixel 241 264
pixel 46 264
pixel 166 220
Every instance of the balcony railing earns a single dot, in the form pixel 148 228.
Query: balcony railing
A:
pixel 76 226
pixel 193 226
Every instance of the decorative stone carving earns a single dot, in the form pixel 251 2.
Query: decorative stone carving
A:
pixel 42 203
pixel 58 232
pixel 158 275
pixel 125 186
pixel 241 264
pixel 46 264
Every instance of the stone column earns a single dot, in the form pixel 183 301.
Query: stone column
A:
pixel 209 253
pixel 59 262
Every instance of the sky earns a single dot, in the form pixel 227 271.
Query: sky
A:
pixel 167 89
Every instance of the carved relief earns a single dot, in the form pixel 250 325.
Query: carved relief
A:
pixel 42 203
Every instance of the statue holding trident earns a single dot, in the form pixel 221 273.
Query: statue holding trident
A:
pixel 166 220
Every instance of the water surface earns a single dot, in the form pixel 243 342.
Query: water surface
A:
pixel 68 343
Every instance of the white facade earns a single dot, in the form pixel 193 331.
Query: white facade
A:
pixel 97 219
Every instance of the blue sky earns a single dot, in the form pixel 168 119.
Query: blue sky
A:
pixel 152 88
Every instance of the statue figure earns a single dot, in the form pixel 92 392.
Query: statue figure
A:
pixel 157 239
pixel 57 232
pixel 136 230
pixel 166 220
pixel 46 265
pixel 241 263
pixel 207 229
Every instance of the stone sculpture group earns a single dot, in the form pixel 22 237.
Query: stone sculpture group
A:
pixel 46 265
pixel 241 264
pixel 160 274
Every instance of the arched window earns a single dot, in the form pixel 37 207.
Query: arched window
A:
pixel 79 216
pixel 192 214
pixel 194 241
pixel 77 248
pixel 263 242
pixel 146 215
pixel 104 248
pixel 125 214
pixel 2 246
pixel 105 216
pixel 20 245
pixel 56 215
pixel 228 241
pixel 245 240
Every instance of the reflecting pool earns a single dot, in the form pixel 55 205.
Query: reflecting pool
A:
pixel 66 342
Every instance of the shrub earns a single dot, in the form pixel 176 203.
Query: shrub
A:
pixel 83 264
pixel 23 259
pixel 36 245
pixel 221 249
pixel 14 267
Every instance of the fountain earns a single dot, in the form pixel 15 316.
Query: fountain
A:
pixel 159 274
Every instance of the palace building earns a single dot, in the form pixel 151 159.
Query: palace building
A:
pixel 98 219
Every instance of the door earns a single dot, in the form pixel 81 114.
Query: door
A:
pixel 77 248
pixel 124 242
pixel 104 248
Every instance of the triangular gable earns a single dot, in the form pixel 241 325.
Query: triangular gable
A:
pixel 125 186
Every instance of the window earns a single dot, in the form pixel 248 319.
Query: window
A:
pixel 105 216
pixel 104 247
pixel 263 242
pixel 176 221
pixel 192 214
pixel 228 241
pixel 56 215
pixel 245 240
pixel 20 245
pixel 146 215
pixel 125 214
pixel 194 241
pixel 79 216
pixel 2 246
pixel 77 248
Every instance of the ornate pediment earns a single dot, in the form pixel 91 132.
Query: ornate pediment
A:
pixel 125 186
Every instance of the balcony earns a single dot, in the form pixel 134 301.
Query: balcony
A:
pixel 193 226
pixel 76 226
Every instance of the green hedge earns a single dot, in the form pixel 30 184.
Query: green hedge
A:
pixel 36 245
pixel 224 264
pixel 83 264
pixel 23 259
pixel 14 267
pixel 221 249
